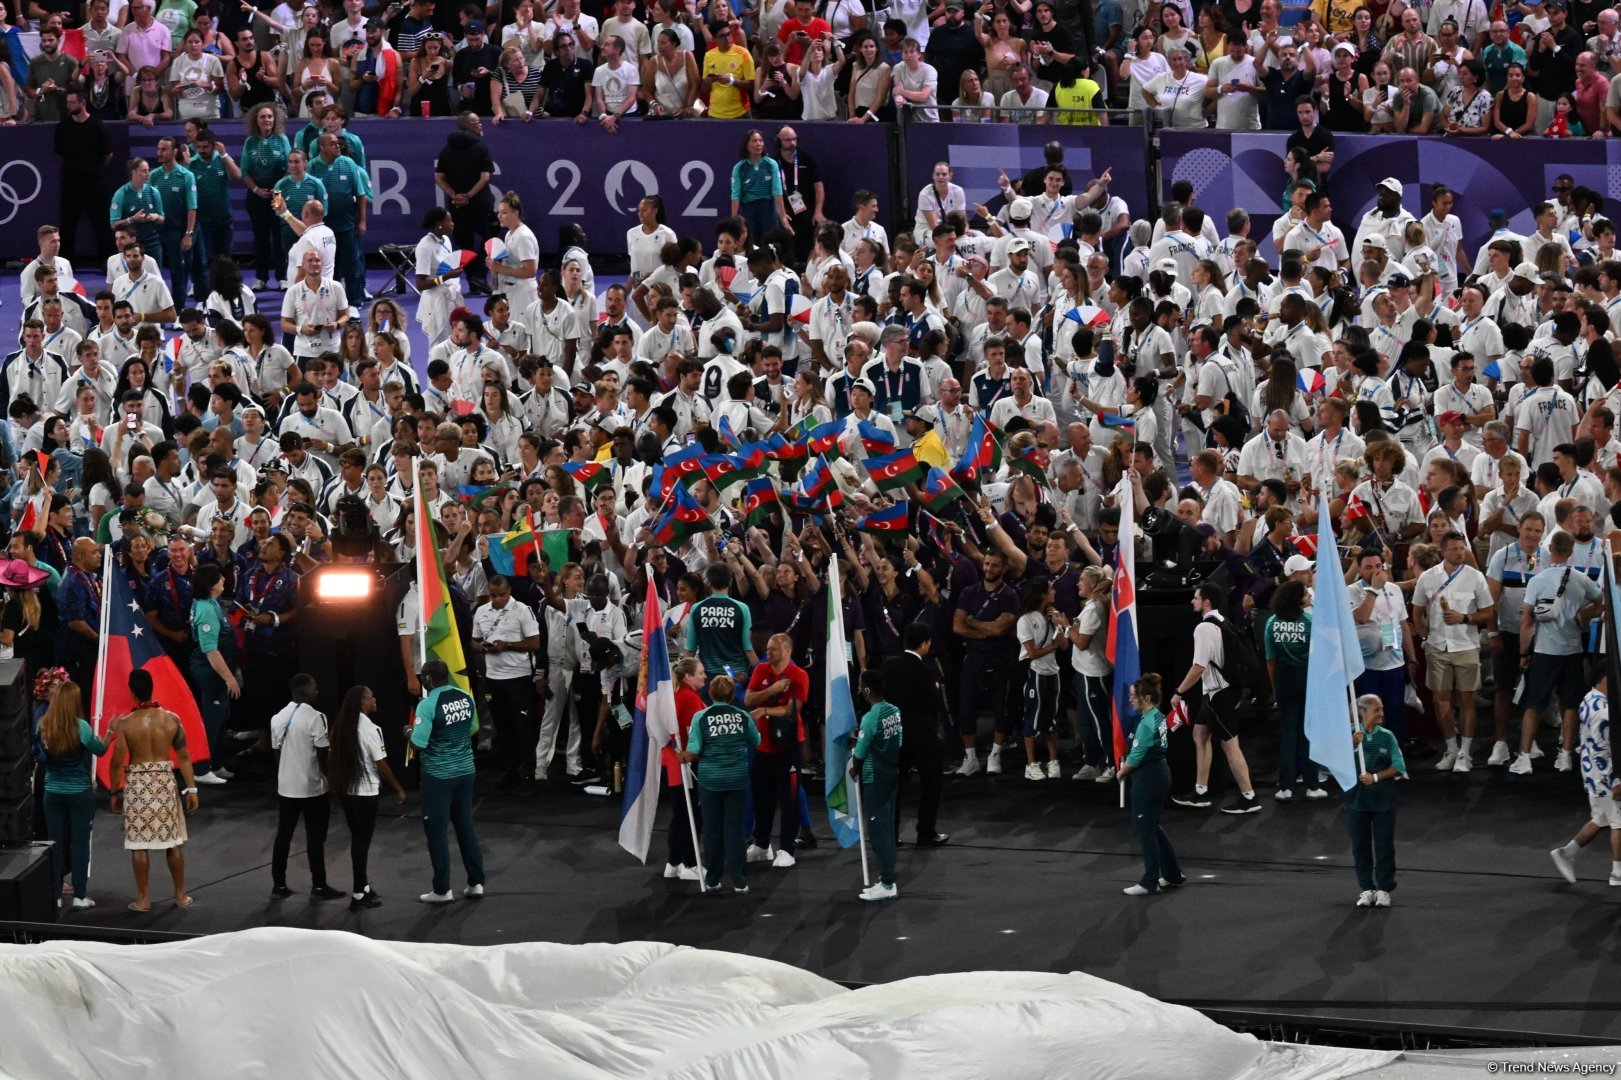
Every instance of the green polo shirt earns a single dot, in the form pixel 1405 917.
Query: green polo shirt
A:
pixel 264 158
pixel 308 140
pixel 295 193
pixel 346 183
pixel 446 722
pixel 1288 641
pixel 718 630
pixel 178 187
pixel 213 187
pixel 721 736
pixel 127 201
pixel 207 623
pixel 878 746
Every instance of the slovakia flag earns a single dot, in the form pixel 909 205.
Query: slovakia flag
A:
pixel 1121 647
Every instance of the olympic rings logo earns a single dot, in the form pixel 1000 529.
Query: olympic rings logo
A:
pixel 10 194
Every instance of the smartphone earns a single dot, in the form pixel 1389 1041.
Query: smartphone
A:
pixel 133 423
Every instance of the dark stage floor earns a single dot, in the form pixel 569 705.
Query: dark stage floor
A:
pixel 1483 933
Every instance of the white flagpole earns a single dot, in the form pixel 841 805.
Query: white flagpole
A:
pixel 101 642
pixel 422 568
pixel 861 833
pixel 697 849
pixel 1361 756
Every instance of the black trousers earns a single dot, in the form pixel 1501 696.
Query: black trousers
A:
pixel 922 752
pixel 317 815
pixel 682 853
pixel 517 729
pixel 775 780
pixel 360 814
pixel 84 197
pixel 476 219
pixel 587 690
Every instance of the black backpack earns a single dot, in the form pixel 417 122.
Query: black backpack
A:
pixel 1241 662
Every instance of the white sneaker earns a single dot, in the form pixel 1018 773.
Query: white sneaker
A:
pixel 1032 771
pixel 1364 898
pixel 1106 776
pixel 1283 795
pixel 1053 771
pixel 783 860
pixel 1448 760
pixel 969 766
pixel 880 891
pixel 1501 754
pixel 1521 766
pixel 1536 752
pixel 760 854
pixel 1316 793
pixel 1135 890
pixel 993 763
pixel 1322 776
pixel 1381 898
pixel 1562 762
pixel 1463 764
pixel 438 898
pixel 473 892
pixel 671 871
pixel 224 774
pixel 688 873
pixel 211 779
pixel 1615 880
pixel 1564 864
pixel 83 903
pixel 1088 772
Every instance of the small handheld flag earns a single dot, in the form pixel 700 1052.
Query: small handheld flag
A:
pixel 457 260
pixel 890 521
pixel 495 250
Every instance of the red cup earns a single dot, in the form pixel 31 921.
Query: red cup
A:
pixel 425 110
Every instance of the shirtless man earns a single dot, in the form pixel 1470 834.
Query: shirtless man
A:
pixel 148 801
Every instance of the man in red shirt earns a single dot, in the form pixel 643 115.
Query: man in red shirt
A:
pixel 776 695
pixel 798 32
pixel 1591 94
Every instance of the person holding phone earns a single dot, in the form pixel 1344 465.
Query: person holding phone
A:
pixel 776 694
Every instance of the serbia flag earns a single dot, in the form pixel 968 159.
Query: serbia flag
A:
pixel 128 644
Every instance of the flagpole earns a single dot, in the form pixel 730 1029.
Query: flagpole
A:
pixel 422 594
pixel 101 645
pixel 861 832
pixel 697 849
pixel 1361 756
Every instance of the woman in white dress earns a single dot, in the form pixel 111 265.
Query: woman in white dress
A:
pixel 441 291
pixel 670 77
pixel 195 80
pixel 934 202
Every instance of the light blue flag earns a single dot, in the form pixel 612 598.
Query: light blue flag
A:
pixel 841 720
pixel 1336 661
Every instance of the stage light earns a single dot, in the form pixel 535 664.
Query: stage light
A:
pixel 334 585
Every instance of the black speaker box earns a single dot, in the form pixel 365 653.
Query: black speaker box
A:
pixel 27 893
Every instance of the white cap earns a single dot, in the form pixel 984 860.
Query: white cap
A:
pixel 1168 265
pixel 864 384
pixel 1391 183
pixel 1296 564
pixel 1345 46
pixel 1020 210
pixel 1375 240
pixel 1019 244
pixel 927 413
pixel 1527 271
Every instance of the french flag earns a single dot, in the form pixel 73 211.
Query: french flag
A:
pixel 457 260
pixel 1121 642
pixel 1088 315
pixel 653 725
pixel 1309 381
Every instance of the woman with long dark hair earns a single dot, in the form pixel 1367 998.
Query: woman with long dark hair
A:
pixel 69 746
pixel 356 761
pixel 1287 638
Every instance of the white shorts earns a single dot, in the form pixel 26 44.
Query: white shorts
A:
pixel 1606 814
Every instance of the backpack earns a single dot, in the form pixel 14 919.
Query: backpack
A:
pixel 1241 662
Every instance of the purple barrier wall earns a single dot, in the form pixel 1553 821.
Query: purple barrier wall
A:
pixel 1245 170
pixel 30 183
pixel 573 173
pixel 977 151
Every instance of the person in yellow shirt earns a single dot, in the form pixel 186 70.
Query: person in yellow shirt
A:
pixel 728 73
pixel 927 446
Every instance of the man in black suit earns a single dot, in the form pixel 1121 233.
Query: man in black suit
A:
pixel 913 684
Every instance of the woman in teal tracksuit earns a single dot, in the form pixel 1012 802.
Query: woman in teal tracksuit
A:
pixel 719 742
pixel 1151 782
